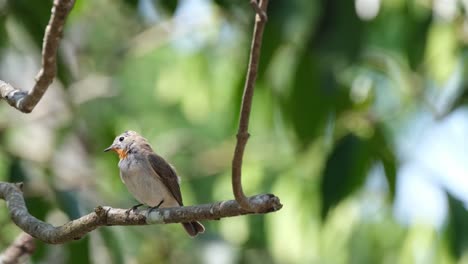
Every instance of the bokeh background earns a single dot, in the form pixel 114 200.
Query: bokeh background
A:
pixel 359 125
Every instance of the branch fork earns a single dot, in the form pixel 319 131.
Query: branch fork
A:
pixel 261 12
pixel 26 101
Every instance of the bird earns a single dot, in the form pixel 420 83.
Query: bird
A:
pixel 148 176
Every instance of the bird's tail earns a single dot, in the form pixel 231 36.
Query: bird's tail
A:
pixel 194 228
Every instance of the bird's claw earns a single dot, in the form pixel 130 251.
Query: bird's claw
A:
pixel 132 209
pixel 155 207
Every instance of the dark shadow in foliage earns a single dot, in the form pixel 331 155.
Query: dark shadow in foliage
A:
pixel 68 203
pixel 230 4
pixel 34 16
pixel 78 251
pixel 316 95
pixel 339 31
pixel 348 165
pixel 3 31
pixel 112 243
pixel 315 98
pixel 16 172
pixel 169 5
pixel 131 3
pixel 418 27
pixel 457 229
pixel 279 12
pixel 384 152
pixel 462 99
pixel 309 104
pixel 345 170
pixel 38 206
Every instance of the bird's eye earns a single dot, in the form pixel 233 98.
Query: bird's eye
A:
pixel 121 139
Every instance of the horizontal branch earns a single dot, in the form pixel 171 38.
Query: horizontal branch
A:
pixel 107 216
pixel 26 101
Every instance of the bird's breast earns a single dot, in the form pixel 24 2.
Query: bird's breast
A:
pixel 144 183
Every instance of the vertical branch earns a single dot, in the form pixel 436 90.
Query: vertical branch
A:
pixel 22 247
pixel 26 101
pixel 243 134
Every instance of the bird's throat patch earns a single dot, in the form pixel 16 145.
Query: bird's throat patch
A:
pixel 122 153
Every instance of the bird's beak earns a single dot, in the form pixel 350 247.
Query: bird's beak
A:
pixel 112 147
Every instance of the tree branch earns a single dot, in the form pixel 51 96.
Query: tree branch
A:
pixel 22 247
pixel 243 134
pixel 262 13
pixel 106 216
pixel 26 101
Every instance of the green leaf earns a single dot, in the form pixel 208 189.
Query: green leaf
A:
pixel 383 151
pixel 169 5
pixel 3 32
pixel 230 4
pixel 279 13
pixel 348 165
pixel 68 203
pixel 113 245
pixel 39 207
pixel 131 3
pixel 78 251
pixel 33 16
pixel 345 170
pixel 308 105
pixel 16 172
pixel 457 228
pixel 418 28
pixel 339 31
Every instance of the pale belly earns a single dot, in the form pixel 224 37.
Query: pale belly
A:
pixel 146 188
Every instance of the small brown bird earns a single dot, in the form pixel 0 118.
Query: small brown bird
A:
pixel 151 179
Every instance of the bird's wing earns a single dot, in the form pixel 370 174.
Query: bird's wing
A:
pixel 167 174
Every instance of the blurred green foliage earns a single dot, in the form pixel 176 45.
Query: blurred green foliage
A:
pixel 333 90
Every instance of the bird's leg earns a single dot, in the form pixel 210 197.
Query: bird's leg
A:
pixel 133 208
pixel 155 207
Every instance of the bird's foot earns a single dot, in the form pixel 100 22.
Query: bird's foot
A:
pixel 155 207
pixel 133 208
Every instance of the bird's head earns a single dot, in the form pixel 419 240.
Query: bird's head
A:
pixel 124 142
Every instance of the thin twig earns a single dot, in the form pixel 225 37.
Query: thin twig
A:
pixel 105 216
pixel 26 101
pixel 22 247
pixel 243 134
pixel 262 13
